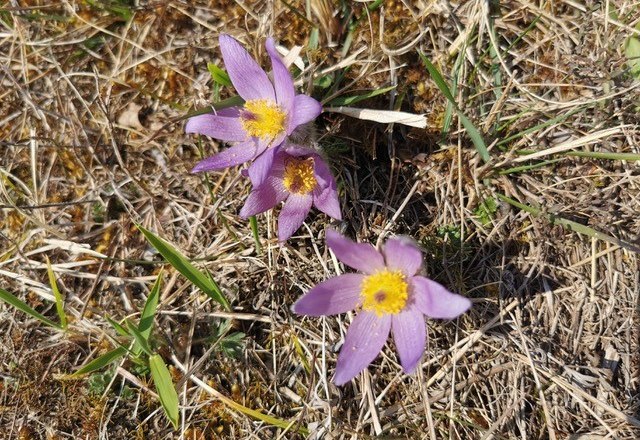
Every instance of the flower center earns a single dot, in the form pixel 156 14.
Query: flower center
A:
pixel 384 292
pixel 299 176
pixel 263 118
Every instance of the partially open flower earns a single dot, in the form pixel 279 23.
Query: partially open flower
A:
pixel 271 112
pixel 390 297
pixel 301 178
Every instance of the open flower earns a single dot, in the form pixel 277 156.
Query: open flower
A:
pixel 390 298
pixel 270 113
pixel 301 178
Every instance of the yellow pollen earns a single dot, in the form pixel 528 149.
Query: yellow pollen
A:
pixel 299 176
pixel 263 118
pixel 384 292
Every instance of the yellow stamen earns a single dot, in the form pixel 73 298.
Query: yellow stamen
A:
pixel 384 292
pixel 298 176
pixel 263 118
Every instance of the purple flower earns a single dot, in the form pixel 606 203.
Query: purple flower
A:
pixel 390 297
pixel 270 113
pixel 301 178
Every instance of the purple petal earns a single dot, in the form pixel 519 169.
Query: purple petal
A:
pixel 365 338
pixel 322 171
pixel 260 167
pixel 410 336
pixel 219 127
pixel 336 295
pixel 282 80
pixel 435 301
pixel 305 109
pixel 298 150
pixel 293 213
pixel 232 156
pixel 229 112
pixel 247 76
pixel 264 197
pixel 401 253
pixel 360 256
pixel 327 201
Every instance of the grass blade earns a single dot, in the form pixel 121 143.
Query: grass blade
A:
pixel 140 340
pixel 473 132
pixel 149 311
pixel 218 75
pixel 182 265
pixel 57 295
pixel 574 226
pixel 437 78
pixel 23 307
pixel 118 327
pixel 254 230
pixel 165 388
pixel 101 361
pixel 448 113
pixel 475 136
pixel 348 100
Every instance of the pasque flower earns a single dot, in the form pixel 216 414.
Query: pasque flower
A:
pixel 300 178
pixel 389 296
pixel 270 113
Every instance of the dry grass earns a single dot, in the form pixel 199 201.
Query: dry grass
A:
pixel 91 143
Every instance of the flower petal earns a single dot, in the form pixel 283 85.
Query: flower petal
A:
pixel 305 109
pixel 322 172
pixel 229 157
pixel 360 256
pixel 335 295
pixel 401 253
pixel 327 201
pixel 260 167
pixel 219 127
pixel 435 301
pixel 410 336
pixel 282 79
pixel 365 338
pixel 247 76
pixel 293 213
pixel 264 197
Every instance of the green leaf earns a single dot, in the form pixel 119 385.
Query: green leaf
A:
pixel 314 38
pixel 149 311
pixel 324 82
pixel 437 78
pixel 570 224
pixel 486 210
pixel 101 361
pixel 182 265
pixel 632 52
pixel 256 235
pixel 165 388
pixel 117 8
pixel 15 302
pixel 219 75
pixel 234 101
pixel 349 100
pixel 475 136
pixel 118 327
pixel 140 340
pixel 57 295
pixel 473 132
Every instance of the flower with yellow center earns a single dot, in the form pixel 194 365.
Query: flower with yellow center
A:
pixel 390 298
pixel 271 112
pixel 299 176
pixel 384 292
pixel 263 119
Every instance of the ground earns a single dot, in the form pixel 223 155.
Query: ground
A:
pixel 542 235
